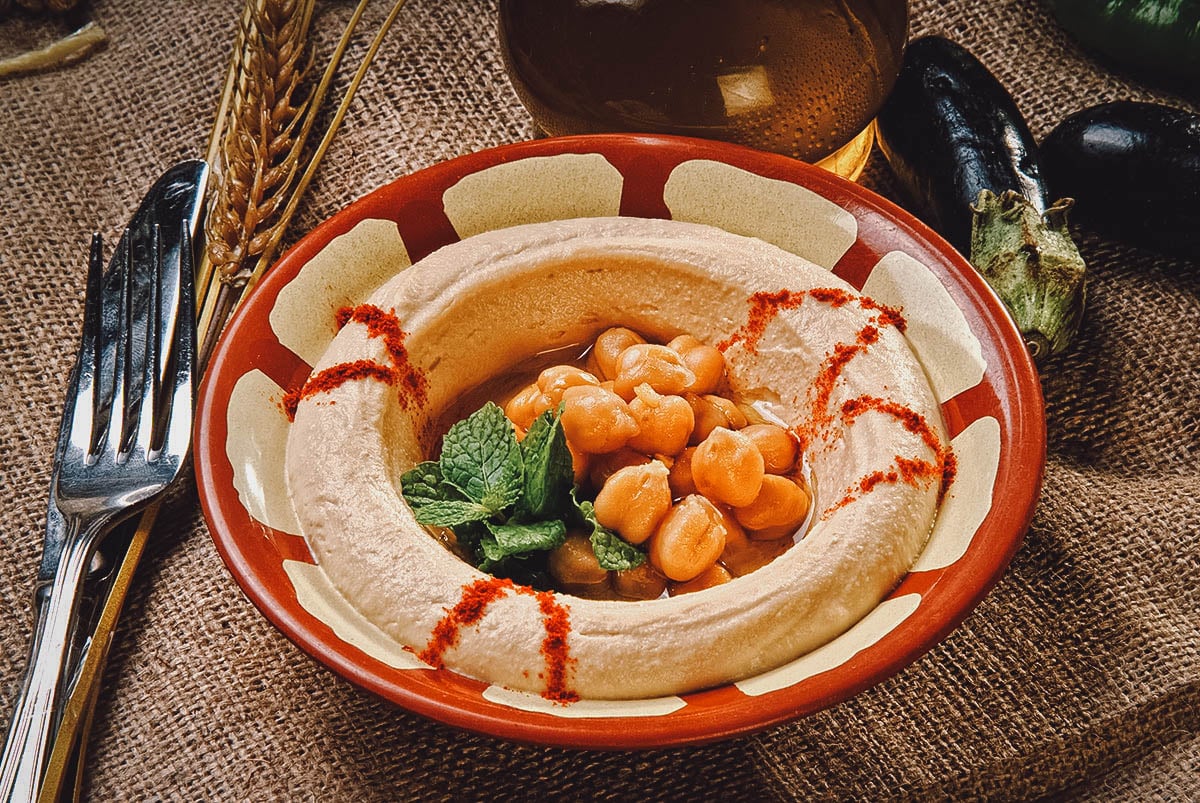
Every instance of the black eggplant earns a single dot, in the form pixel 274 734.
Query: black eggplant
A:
pixel 1134 170
pixel 965 158
pixel 1158 38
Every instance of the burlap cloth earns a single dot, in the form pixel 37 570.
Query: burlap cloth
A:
pixel 1079 676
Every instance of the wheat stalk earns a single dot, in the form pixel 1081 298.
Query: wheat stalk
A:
pixel 250 228
pixel 261 149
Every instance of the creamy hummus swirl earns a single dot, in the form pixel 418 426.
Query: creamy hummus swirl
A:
pixel 478 307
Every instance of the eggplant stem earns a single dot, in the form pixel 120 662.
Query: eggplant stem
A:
pixel 1031 262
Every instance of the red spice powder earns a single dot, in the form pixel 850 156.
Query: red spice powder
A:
pixel 911 471
pixel 386 326
pixel 555 650
pixel 886 316
pixel 291 400
pixel 832 296
pixel 412 383
pixel 949 472
pixel 827 377
pixel 913 421
pixel 869 335
pixel 335 376
pixel 470 609
pixel 764 307
pixel 868 483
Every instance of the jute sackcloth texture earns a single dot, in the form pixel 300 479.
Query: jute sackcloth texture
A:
pixel 1078 677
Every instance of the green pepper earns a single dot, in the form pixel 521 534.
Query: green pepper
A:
pixel 1158 38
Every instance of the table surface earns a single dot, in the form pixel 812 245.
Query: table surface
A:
pixel 1078 676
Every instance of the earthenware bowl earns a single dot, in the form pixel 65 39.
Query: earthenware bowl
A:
pixel 976 363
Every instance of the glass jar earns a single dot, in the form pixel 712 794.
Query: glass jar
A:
pixel 799 77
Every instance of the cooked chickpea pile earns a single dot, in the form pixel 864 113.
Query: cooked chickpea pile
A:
pixel 677 468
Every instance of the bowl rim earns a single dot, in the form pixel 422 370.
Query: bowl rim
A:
pixel 712 714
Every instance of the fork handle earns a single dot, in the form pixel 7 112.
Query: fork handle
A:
pixel 35 714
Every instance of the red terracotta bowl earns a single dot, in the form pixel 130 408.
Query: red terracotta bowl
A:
pixel 977 364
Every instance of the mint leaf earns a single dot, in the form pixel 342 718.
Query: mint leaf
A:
pixel 450 513
pixel 493 553
pixel 434 501
pixel 423 484
pixel 468 536
pixel 549 474
pixel 481 457
pixel 613 552
pixel 520 539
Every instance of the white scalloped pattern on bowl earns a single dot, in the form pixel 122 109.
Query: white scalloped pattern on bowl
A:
pixel 534 190
pixel 343 274
pixel 937 328
pixel 977 449
pixel 784 214
pixel 584 709
pixel 255 446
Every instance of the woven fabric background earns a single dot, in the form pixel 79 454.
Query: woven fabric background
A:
pixel 1078 677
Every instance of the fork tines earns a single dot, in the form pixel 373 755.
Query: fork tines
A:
pixel 129 324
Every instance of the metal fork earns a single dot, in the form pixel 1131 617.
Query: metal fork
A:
pixel 123 440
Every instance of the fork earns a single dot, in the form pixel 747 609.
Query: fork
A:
pixel 124 439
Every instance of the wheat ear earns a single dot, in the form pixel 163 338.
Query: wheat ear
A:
pixel 261 151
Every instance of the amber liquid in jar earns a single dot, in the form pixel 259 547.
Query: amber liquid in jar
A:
pixel 799 77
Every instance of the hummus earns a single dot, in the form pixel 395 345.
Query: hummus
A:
pixel 810 352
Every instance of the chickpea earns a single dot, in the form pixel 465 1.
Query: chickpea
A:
pixel 689 539
pixel 664 422
pixel 634 501
pixel 706 362
pixel 602 359
pixel 711 412
pixel 596 420
pixel 728 468
pixel 784 533
pixel 603 466
pixel 778 446
pixel 573 564
pixel 644 582
pixel 743 555
pixel 581 463
pixel 523 407
pixel 780 502
pixel 557 378
pixel 714 575
pixel 657 366
pixel 680 478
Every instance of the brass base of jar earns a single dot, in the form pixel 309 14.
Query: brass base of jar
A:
pixel 849 160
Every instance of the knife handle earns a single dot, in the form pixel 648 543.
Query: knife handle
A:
pixel 27 744
pixel 64 770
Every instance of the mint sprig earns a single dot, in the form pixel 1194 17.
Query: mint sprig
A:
pixel 549 474
pixel 508 503
pixel 481 457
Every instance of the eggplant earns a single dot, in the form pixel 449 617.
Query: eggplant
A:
pixel 1134 170
pixel 1156 38
pixel 968 164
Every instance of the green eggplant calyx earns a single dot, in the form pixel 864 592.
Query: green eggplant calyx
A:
pixel 1030 260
